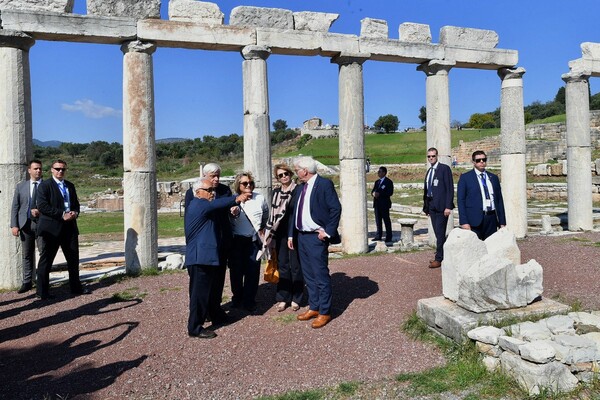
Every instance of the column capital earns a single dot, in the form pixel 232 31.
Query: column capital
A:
pixel 435 67
pixel 511 73
pixel 576 76
pixel 15 39
pixel 254 52
pixel 137 46
pixel 350 58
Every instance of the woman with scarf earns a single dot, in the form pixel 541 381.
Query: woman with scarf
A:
pixel 290 287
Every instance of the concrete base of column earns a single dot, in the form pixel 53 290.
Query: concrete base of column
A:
pixel 579 188
pixel 11 262
pixel 141 225
pixel 514 192
pixel 354 227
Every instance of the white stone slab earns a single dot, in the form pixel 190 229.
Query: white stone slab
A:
pixel 579 348
pixel 262 17
pixel 394 50
pixel 486 334
pixel 137 9
pixel 314 21
pixel 584 318
pixel 537 352
pixel 491 363
pixel 488 349
pixel 195 11
pixel 510 343
pixel 590 50
pixel 62 6
pixel 468 37
pixel 491 59
pixel 414 33
pixel 530 331
pixel 374 28
pixel 559 325
pixel 503 244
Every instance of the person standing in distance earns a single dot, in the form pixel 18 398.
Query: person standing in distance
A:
pixel 57 226
pixel 479 196
pixel 382 202
pixel 23 220
pixel 438 201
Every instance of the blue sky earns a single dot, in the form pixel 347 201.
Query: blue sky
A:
pixel 77 88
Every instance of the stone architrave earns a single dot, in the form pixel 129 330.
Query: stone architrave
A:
pixel 512 150
pixel 61 6
pixel 374 28
pixel 139 158
pixel 468 37
pixel 17 143
pixel 314 21
pixel 195 11
pixel 352 152
pixel 590 51
pixel 138 9
pixel 414 33
pixel 257 137
pixel 579 174
pixel 277 18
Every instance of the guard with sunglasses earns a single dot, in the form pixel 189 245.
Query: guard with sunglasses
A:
pixel 479 196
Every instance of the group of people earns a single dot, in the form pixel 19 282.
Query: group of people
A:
pixel 224 229
pixel 44 212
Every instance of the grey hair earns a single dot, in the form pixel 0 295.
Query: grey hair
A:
pixel 211 168
pixel 198 184
pixel 307 163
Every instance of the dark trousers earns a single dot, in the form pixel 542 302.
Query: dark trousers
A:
pixel 215 312
pixel 489 226
pixel 29 240
pixel 69 243
pixel 201 280
pixel 383 213
pixel 314 258
pixel 439 222
pixel 244 271
pixel 291 282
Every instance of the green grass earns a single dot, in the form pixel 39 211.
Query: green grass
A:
pixel 550 120
pixel 129 294
pixel 285 319
pixel 169 224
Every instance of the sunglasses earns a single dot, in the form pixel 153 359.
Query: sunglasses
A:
pixel 59 169
pixel 245 184
pixel 431 156
pixel 209 190
pixel 478 160
pixel 283 174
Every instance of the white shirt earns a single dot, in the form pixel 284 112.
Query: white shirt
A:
pixel 308 225
pixel 31 184
pixel 431 173
pixel 256 215
pixel 488 183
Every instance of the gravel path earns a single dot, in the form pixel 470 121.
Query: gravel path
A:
pixel 91 347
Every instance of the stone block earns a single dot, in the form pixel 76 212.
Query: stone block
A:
pixel 195 11
pixel 488 349
pixel 374 28
pixel 414 33
pixel 137 9
pixel 491 363
pixel 61 6
pixel 486 334
pixel 503 244
pixel 579 348
pixel 564 166
pixel 262 17
pixel 290 42
pixel 540 170
pixel 314 21
pixel 595 337
pixel 383 49
pixel 468 37
pixel 510 343
pixel 530 331
pixel 559 325
pixel 538 352
pixel 590 50
pixel 597 165
pixel 478 58
pixel 586 322
pixel 556 170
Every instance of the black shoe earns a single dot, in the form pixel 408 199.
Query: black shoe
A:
pixel 44 297
pixel 83 290
pixel 388 239
pixel 205 334
pixel 377 238
pixel 26 287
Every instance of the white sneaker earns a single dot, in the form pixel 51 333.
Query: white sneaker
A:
pixel 295 306
pixel 280 306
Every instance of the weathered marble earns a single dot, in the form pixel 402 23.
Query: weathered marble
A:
pixel 374 28
pixel 414 33
pixel 61 6
pixel 195 11
pixel 262 17
pixel 468 37
pixel 314 21
pixel 138 9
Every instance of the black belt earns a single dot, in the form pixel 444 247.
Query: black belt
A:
pixel 490 212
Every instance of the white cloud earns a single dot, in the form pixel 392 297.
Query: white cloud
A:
pixel 91 109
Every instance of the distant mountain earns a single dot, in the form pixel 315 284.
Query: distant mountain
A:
pixel 49 143
pixel 172 140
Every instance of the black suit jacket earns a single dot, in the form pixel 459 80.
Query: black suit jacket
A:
pixel 443 192
pixel 385 190
pixel 50 203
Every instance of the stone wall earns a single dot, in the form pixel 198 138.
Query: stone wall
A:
pixel 491 146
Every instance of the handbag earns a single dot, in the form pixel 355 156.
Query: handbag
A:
pixel 271 272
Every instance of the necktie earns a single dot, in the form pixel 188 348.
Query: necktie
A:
pixel 65 195
pixel 300 207
pixel 33 200
pixel 430 183
pixel 485 189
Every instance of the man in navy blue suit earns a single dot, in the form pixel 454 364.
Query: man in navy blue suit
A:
pixel 316 213
pixel 438 201
pixel 382 202
pixel 479 196
pixel 202 253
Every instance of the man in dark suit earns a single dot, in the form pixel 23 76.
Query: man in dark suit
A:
pixel 382 202
pixel 23 220
pixel 212 171
pixel 479 196
pixel 316 213
pixel 57 226
pixel 438 201
pixel 203 227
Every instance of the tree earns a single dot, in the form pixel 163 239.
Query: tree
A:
pixel 280 125
pixel 456 124
pixel 389 123
pixel 477 120
pixel 423 114
pixel 560 96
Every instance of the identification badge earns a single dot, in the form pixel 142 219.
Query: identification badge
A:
pixel 67 206
pixel 383 186
pixel 435 182
pixel 487 203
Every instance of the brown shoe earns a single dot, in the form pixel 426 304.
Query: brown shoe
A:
pixel 434 264
pixel 321 321
pixel 305 316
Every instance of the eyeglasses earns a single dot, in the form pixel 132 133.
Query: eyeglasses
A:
pixel 246 184
pixel 283 174
pixel 209 190
pixel 59 169
pixel 478 160
pixel 428 156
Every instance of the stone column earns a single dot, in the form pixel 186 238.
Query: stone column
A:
pixel 139 158
pixel 17 144
pixel 354 224
pixel 579 173
pixel 512 150
pixel 437 102
pixel 257 135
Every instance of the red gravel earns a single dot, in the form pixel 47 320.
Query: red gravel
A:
pixel 90 347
